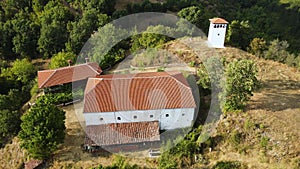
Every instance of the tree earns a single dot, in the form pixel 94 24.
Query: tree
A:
pixel 239 34
pixel 6 38
pixel 54 33
pixel 80 31
pixel 42 129
pixel 26 34
pixel 38 5
pixel 277 51
pixel 240 83
pixel 102 6
pixel 194 15
pixel 22 70
pixel 61 59
pixel 9 124
pixel 105 45
pixel 153 37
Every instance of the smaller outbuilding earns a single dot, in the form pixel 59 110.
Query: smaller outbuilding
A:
pixel 65 75
pixel 217 32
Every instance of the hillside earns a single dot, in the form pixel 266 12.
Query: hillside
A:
pixel 273 114
pixel 269 125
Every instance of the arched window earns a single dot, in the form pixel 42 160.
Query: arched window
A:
pixel 167 115
pixel 118 118
pixel 101 119
pixel 215 26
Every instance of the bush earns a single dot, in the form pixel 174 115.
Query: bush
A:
pixel 241 81
pixel 264 142
pixel 228 165
pixel 277 51
pixel 257 46
pixel 61 59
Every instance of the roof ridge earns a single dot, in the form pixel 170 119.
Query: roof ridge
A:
pixel 181 82
pixel 54 71
pixel 92 68
pixel 94 85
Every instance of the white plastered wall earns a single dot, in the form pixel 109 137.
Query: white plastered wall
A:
pixel 168 118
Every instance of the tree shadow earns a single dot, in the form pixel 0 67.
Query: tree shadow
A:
pixel 277 95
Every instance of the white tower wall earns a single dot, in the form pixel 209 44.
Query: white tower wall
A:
pixel 216 34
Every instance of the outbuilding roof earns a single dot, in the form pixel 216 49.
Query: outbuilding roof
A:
pixel 48 78
pixel 142 91
pixel 218 21
pixel 122 133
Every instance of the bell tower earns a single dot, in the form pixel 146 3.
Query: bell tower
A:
pixel 217 32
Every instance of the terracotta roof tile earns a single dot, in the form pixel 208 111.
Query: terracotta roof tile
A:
pixel 218 20
pixel 142 91
pixel 122 133
pixel 48 78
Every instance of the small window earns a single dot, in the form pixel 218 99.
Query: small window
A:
pixel 118 118
pixel 218 34
pixel 101 119
pixel 134 117
pixel 183 114
pixel 151 115
pixel 167 115
pixel 215 26
pixel 218 26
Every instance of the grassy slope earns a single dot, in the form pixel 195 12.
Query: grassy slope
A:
pixel 273 113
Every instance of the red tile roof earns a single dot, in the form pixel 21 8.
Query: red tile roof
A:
pixel 218 20
pixel 142 91
pixel 48 78
pixel 122 133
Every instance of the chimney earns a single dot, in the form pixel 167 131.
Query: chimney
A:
pixel 70 62
pixel 87 60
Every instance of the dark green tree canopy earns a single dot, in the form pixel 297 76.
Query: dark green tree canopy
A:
pixel 194 15
pixel 54 34
pixel 26 34
pixel 42 129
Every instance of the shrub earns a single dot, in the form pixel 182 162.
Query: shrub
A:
pixel 277 51
pixel 264 142
pixel 61 59
pixel 257 46
pixel 228 165
pixel 241 81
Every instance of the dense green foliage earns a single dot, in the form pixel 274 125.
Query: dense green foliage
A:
pixel 240 83
pixel 61 60
pixel 15 82
pixel 42 129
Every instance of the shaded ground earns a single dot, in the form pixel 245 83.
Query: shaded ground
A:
pixel 70 154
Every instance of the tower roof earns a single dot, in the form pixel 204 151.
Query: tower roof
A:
pixel 218 21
